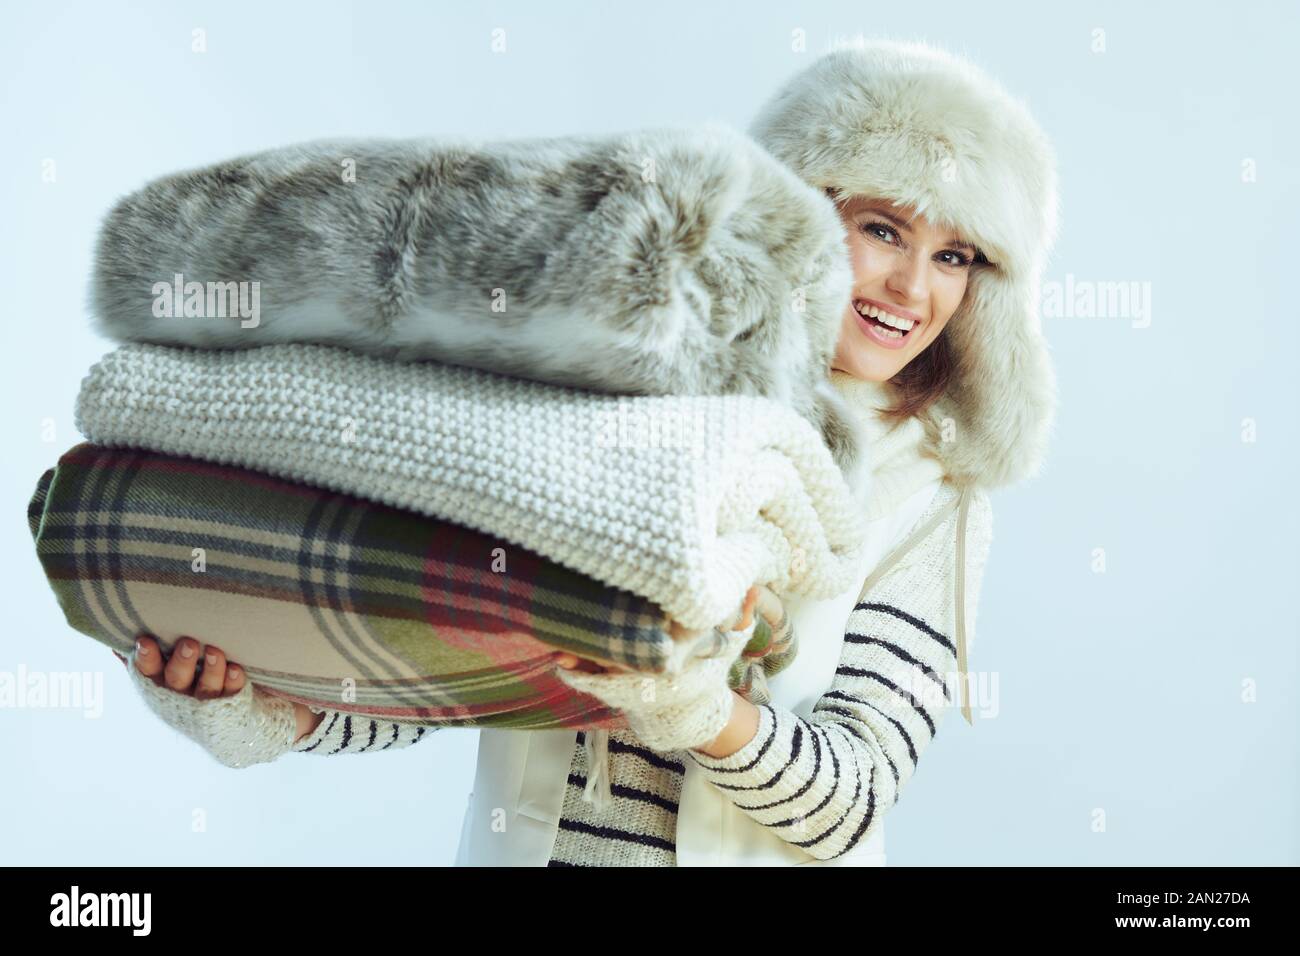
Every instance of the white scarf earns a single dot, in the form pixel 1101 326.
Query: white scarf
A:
pixel 899 467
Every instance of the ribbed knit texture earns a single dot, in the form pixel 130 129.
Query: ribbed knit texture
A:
pixel 238 730
pixel 710 494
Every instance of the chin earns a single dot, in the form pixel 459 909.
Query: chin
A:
pixel 863 358
pixel 872 364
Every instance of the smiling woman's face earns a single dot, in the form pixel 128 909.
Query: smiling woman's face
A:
pixel 906 272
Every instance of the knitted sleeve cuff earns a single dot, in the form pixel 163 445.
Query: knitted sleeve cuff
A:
pixel 238 730
pixel 670 713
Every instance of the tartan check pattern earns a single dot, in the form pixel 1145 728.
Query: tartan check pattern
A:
pixel 331 600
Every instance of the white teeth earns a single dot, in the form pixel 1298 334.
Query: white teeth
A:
pixel 871 311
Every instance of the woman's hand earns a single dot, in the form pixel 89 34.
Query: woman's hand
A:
pixel 760 599
pixel 234 720
pixel 216 678
pixel 690 708
pixel 696 710
pixel 773 611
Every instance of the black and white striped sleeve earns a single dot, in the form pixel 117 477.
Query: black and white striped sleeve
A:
pixel 340 733
pixel 824 784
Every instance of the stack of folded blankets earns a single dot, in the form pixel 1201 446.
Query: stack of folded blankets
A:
pixel 382 493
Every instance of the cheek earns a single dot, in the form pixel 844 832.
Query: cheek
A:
pixel 947 299
pixel 931 334
pixel 948 295
pixel 865 262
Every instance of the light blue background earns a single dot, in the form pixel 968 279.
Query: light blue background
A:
pixel 1119 691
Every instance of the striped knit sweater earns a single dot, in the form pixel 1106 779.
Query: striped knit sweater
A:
pixel 822 784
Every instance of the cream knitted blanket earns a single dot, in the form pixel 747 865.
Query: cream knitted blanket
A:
pixel 685 500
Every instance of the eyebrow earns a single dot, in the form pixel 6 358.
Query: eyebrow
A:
pixel 903 224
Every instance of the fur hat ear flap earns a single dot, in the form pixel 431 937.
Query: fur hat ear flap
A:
pixel 916 125
pixel 992 425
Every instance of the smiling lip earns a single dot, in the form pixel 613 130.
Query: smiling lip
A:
pixel 879 337
pixel 891 309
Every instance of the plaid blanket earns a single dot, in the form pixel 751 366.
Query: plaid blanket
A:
pixel 336 601
pixel 687 500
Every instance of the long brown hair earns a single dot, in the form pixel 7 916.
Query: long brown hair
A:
pixel 921 382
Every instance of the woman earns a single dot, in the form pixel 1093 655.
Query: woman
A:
pixel 947 190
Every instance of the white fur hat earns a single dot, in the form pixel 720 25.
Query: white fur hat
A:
pixel 922 127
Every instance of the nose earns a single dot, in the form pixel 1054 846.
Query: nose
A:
pixel 910 278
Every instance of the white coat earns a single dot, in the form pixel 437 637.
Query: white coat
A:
pixel 521 778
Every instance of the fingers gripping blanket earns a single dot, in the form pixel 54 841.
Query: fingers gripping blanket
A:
pixel 685 501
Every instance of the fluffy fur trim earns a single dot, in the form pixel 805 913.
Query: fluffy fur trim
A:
pixel 922 127
pixel 671 261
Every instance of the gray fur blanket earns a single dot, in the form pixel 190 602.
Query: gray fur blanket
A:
pixel 670 261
